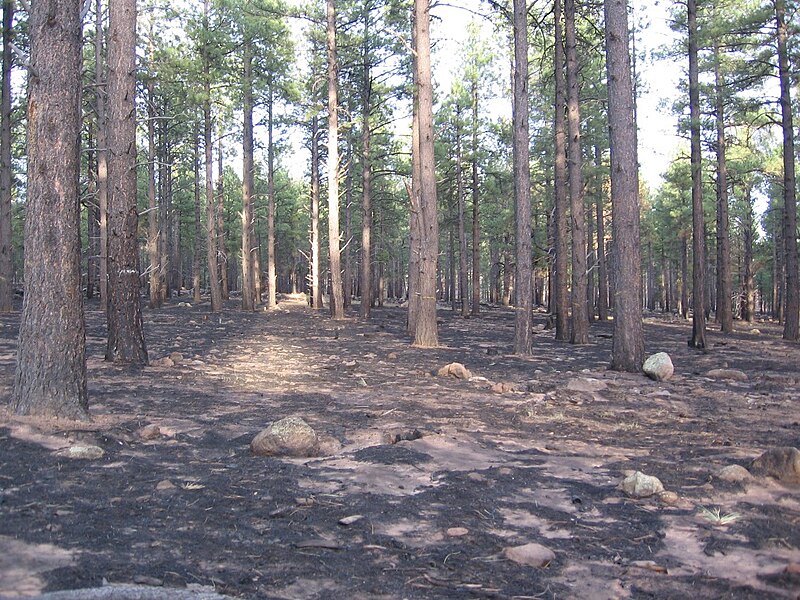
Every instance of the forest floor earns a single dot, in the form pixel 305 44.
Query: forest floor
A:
pixel 541 463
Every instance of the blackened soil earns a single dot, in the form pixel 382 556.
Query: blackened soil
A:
pixel 445 474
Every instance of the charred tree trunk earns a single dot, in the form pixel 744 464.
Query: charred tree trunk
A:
pixel 125 334
pixel 6 176
pixel 334 249
pixel 152 205
pixel 248 285
pixel 561 227
pixel 724 277
pixel 316 263
pixel 366 179
pixel 198 230
pixel 628 343
pixel 102 151
pixel 50 376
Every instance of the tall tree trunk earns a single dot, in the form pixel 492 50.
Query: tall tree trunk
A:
pixel 698 339
pixel 316 279
pixel 347 260
pixel 272 279
pixel 523 303
pixel 791 323
pixel 92 222
pixel 50 376
pixel 561 234
pixel 684 248
pixel 162 245
pixel 248 287
pixel 6 176
pixel 211 229
pixel 414 218
pixel 222 250
pixel 125 334
pixel 102 151
pixel 463 284
pixel 748 287
pixel 602 264
pixel 724 277
pixel 580 318
pixel 366 178
pixel 425 333
pixel 334 235
pixel 152 205
pixel 627 352
pixel 198 230
pixel 476 230
pixel 591 260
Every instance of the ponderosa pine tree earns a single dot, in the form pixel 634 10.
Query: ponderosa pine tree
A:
pixel 523 303
pixel 249 300
pixel 50 376
pixel 561 208
pixel 125 333
pixel 628 343
pixel 791 323
pixel 337 301
pixel 698 339
pixel 6 177
pixel 425 331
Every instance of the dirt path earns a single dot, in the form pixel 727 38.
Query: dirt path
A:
pixel 487 471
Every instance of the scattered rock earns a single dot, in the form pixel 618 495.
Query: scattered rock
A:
pixel 392 356
pixel 456 370
pixel 165 485
pixel 658 366
pixel 396 435
pixel 350 520
pixel 586 384
pixel 82 451
pixel 734 474
pixel 668 497
pixel 781 463
pixel 162 362
pixel 639 485
pixel 150 432
pixel 532 555
pixel 457 531
pixel 176 358
pixel 649 565
pixel 732 374
pixel 503 388
pixel 291 436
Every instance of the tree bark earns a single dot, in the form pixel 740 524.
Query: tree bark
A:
pixel 272 279
pixel 316 280
pixel 222 250
pixel 791 323
pixel 698 339
pixel 414 218
pixel 366 179
pixel 523 304
pixel 724 277
pixel 6 175
pixel 152 205
pixel 627 352
pixel 102 151
pixel 50 376
pixel 580 316
pixel 463 284
pixel 426 332
pixel 476 231
pixel 334 235
pixel 211 229
pixel 561 234
pixel 602 263
pixel 198 230
pixel 125 334
pixel 748 308
pixel 248 287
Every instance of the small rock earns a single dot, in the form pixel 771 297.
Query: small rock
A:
pixel 82 451
pixel 781 463
pixel 176 358
pixel 291 436
pixel 503 388
pixel 457 531
pixel 350 520
pixel 150 432
pixel 658 366
pixel 147 580
pixel 669 497
pixel 456 370
pixel 162 362
pixel 165 485
pixel 532 555
pixel 639 485
pixel 392 356
pixel 734 474
pixel 586 384
pixel 732 374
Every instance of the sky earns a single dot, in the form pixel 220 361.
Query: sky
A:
pixel 658 78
